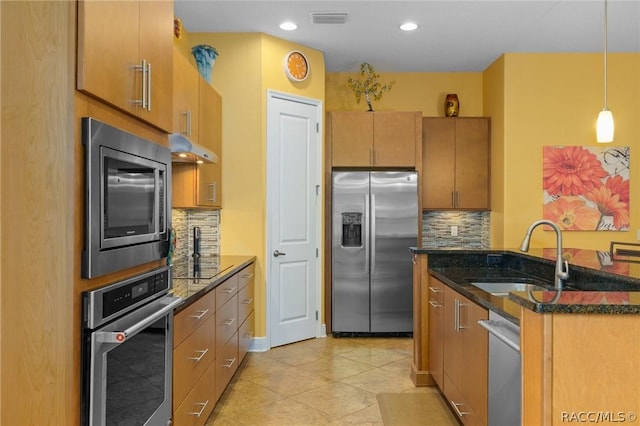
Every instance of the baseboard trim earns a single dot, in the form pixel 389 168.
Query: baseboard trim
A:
pixel 421 378
pixel 259 344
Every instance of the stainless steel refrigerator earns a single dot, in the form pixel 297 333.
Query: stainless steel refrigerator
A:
pixel 374 221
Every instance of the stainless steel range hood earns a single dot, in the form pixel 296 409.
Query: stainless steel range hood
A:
pixel 185 151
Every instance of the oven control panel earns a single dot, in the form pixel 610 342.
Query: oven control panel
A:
pixel 103 304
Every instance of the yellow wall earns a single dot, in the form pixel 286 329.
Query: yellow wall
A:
pixel 247 66
pixel 554 99
pixel 423 92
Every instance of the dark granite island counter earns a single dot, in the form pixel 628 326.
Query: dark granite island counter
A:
pixel 580 354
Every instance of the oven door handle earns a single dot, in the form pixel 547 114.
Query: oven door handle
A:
pixel 118 337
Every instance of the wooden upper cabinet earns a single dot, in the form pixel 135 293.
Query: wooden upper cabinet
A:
pixel 374 139
pixel 200 185
pixel 455 163
pixel 210 175
pixel 185 97
pixel 125 52
pixel 351 138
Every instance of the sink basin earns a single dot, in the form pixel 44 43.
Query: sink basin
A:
pixel 503 288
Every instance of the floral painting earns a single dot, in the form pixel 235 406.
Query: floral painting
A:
pixel 586 188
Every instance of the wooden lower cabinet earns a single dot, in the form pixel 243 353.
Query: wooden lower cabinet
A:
pixel 198 405
pixel 436 331
pixel 211 338
pixel 465 346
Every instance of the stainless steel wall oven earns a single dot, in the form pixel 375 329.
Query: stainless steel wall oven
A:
pixel 127 351
pixel 127 203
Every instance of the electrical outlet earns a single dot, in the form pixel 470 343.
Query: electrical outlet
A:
pixel 638 234
pixel 454 230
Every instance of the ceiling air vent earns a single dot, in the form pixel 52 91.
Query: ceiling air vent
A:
pixel 329 17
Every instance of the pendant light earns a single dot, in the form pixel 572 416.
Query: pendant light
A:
pixel 604 125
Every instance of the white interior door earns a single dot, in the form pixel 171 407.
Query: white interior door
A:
pixel 293 218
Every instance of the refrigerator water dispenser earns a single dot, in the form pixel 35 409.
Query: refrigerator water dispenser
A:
pixel 351 229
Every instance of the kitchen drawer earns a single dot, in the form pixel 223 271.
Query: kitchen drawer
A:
pixel 245 336
pixel 192 358
pixel 461 408
pixel 246 275
pixel 226 291
pixel 226 363
pixel 199 403
pixel 184 322
pixel 245 302
pixel 227 321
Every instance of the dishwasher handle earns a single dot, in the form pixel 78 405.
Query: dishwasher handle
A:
pixel 497 328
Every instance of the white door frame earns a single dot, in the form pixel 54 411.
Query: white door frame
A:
pixel 272 94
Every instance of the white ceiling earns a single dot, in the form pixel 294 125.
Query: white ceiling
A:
pixel 453 35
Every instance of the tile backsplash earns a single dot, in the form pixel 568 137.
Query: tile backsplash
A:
pixel 183 222
pixel 474 229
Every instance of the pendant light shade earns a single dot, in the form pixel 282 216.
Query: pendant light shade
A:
pixel 604 125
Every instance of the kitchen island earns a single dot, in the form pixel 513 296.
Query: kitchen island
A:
pixel 580 354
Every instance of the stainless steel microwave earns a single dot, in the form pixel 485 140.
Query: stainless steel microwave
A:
pixel 127 199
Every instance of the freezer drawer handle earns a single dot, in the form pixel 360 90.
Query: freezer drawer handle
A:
pixel 277 253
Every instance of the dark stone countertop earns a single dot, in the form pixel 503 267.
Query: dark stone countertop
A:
pixel 192 283
pixel 596 285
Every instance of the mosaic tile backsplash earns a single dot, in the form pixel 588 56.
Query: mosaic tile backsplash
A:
pixel 183 222
pixel 474 229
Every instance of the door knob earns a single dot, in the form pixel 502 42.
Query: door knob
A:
pixel 277 253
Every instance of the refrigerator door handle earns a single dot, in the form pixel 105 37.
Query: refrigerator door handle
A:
pixel 367 232
pixel 372 227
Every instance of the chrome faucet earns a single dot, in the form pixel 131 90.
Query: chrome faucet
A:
pixel 562 269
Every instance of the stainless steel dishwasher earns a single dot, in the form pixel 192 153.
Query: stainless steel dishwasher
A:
pixel 505 379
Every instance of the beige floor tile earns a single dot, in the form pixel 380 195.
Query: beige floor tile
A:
pixel 289 382
pixel 379 380
pixel 370 416
pixel 373 355
pixel 242 396
pixel 335 367
pixel 337 400
pixel 284 412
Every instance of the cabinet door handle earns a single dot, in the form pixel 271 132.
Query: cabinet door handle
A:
pixel 187 124
pixel 435 304
pixel 248 335
pixel 199 314
pixel 230 362
pixel 199 413
pixel 143 68
pixel 456 315
pixel 455 407
pixel 229 290
pixel 148 86
pixel 457 203
pixel 228 322
pixel 435 289
pixel 460 326
pixel 247 301
pixel 453 198
pixel 199 358
pixel 214 192
pixel 247 276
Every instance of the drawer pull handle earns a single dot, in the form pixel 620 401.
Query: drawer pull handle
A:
pixel 204 406
pixel 247 301
pixel 199 358
pixel 229 290
pixel 435 304
pixel 248 335
pixel 247 276
pixel 435 289
pixel 229 322
pixel 230 362
pixel 199 314
pixel 455 407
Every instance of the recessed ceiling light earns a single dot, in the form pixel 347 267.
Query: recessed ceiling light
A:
pixel 408 26
pixel 288 26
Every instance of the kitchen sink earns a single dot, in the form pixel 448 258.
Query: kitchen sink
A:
pixel 503 288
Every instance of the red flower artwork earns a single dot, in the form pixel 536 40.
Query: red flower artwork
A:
pixel 586 188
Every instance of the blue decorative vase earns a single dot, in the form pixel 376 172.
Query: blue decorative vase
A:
pixel 205 57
